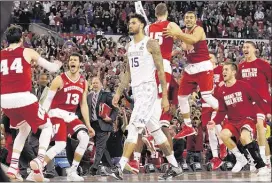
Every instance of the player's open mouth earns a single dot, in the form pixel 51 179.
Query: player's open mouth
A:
pixel 245 53
pixel 73 66
pixel 224 75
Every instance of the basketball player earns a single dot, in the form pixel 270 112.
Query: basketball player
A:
pixel 143 58
pixel 208 113
pixel 154 31
pixel 235 100
pixel 66 92
pixel 19 104
pixel 257 73
pixel 198 72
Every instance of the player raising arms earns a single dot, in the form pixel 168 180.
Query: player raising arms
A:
pixel 235 100
pixel 154 31
pixel 19 104
pixel 257 73
pixel 66 92
pixel 198 72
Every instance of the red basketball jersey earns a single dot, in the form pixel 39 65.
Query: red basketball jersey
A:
pixel 166 44
pixel 217 77
pixel 15 71
pixel 70 95
pixel 199 52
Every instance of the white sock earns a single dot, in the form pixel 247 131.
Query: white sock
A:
pixel 268 160
pixel 172 160
pixel 123 161
pixel 262 153
pixel 44 141
pixel 236 152
pixel 213 142
pixel 188 122
pixel 137 156
pixel 218 129
pixel 15 160
pixel 75 164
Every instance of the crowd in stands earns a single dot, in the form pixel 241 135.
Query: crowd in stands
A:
pixel 105 57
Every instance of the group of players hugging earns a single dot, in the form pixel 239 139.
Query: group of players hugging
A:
pixel 235 99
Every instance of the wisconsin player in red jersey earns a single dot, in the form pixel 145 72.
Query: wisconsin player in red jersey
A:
pixel 207 113
pixel 257 73
pixel 66 92
pixel 235 100
pixel 198 72
pixel 155 31
pixel 19 104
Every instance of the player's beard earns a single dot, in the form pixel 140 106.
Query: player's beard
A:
pixel 135 32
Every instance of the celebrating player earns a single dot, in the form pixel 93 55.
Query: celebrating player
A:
pixel 257 73
pixel 19 104
pixel 66 92
pixel 198 72
pixel 235 100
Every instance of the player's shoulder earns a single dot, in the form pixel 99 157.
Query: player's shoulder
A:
pixel 242 84
pixel 262 61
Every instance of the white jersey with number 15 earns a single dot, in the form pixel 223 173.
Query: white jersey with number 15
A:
pixel 141 63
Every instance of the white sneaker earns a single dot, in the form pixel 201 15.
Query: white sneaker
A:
pixel 240 163
pixel 15 177
pixel 73 176
pixel 31 179
pixel 36 165
pixel 262 171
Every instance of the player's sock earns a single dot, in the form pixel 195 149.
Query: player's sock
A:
pixel 75 163
pixel 262 153
pixel 44 140
pixel 15 160
pixel 213 142
pixel 123 161
pixel 172 160
pixel 137 156
pixel 254 151
pixel 188 122
pixel 268 160
pixel 236 152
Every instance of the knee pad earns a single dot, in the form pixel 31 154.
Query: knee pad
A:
pixel 159 137
pixel 83 138
pixel 132 136
pixel 211 100
pixel 184 104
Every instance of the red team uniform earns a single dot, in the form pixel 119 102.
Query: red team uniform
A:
pixel 199 72
pixel 258 75
pixel 17 101
pixel 166 45
pixel 207 110
pixel 63 108
pixel 236 102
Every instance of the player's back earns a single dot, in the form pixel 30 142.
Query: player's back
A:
pixel 166 44
pixel 142 66
pixel 15 72
pixel 70 95
pixel 199 51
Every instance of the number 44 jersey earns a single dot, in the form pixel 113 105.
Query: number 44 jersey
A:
pixel 70 95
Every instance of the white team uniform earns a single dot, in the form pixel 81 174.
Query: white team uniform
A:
pixel 147 107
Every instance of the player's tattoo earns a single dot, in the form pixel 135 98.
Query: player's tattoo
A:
pixel 154 48
pixel 125 78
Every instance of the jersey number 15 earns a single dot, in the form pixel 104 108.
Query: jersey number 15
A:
pixel 157 36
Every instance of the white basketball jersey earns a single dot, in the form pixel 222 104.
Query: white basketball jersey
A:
pixel 141 63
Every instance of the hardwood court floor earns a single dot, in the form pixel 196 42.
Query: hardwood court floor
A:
pixel 186 177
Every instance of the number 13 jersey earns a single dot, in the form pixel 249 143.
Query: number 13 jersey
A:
pixel 141 63
pixel 70 95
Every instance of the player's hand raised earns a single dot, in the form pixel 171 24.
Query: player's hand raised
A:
pixel 211 125
pixel 165 104
pixel 115 100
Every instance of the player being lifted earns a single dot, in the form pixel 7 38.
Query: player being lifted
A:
pixel 19 104
pixel 198 72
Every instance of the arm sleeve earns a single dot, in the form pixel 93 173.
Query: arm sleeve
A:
pixel 51 67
